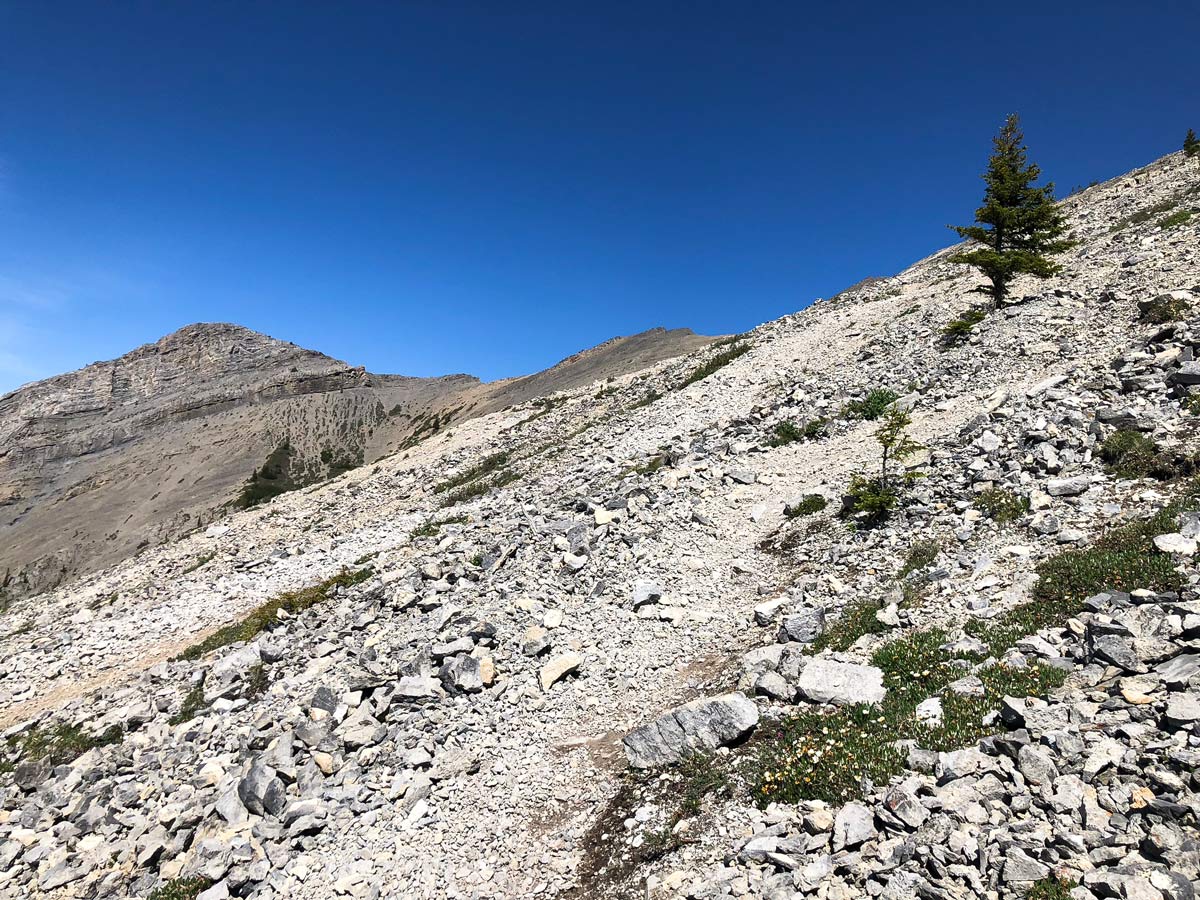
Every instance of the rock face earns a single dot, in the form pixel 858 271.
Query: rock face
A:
pixel 703 724
pixel 412 692
pixel 98 463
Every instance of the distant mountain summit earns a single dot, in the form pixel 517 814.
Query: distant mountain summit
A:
pixel 98 463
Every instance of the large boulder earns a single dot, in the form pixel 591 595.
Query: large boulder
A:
pixel 703 724
pixel 827 681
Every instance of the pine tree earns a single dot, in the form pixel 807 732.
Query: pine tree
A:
pixel 1019 224
pixel 1191 146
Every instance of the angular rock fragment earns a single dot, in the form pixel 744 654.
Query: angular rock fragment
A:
pixel 695 727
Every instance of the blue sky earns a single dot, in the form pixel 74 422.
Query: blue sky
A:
pixel 426 188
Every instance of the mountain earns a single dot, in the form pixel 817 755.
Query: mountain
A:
pixel 118 456
pixel 633 642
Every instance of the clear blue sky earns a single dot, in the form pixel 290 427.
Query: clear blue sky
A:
pixel 425 188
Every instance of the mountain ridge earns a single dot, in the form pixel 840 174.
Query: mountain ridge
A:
pixel 191 392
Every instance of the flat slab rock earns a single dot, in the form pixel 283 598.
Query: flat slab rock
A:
pixel 827 681
pixel 702 724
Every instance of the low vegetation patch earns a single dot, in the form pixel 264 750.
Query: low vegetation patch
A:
pixel 789 432
pixel 960 329
pixel 734 349
pixel 262 617
pixel 833 756
pixel 541 406
pixel 193 704
pixel 273 478
pixel 693 780
pixel 481 487
pixel 58 744
pixel 854 621
pixel 921 555
pixel 1145 215
pixel 257 682
pixel 872 406
pixel 651 397
pixel 1124 559
pixel 1050 888
pixel 1131 454
pixel 649 466
pixel 808 506
pixel 1001 506
pixel 1164 309
pixel 180 889
pixel 1182 217
pixel 484 467
pixel 431 528
pixel 427 424
pixel 199 563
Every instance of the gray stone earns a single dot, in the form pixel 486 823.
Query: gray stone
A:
pixel 462 674
pixel 1036 765
pixel 803 626
pixel 853 825
pixel 261 791
pixel 703 724
pixel 826 681
pixel 1068 487
pixel 30 774
pixel 1183 710
pixel 646 592
pixel 1019 866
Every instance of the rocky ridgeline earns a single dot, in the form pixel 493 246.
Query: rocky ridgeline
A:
pixel 551 652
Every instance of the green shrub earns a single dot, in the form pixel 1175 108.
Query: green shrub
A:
pixel 481 487
pixel 486 466
pixel 1165 309
pixel 1050 888
pixel 262 617
pixel 872 406
pixel 715 362
pixel 1177 218
pixel 813 503
pixel 1145 215
pixel 272 479
pixel 1001 506
pixel 193 704
pixel 921 555
pixel 870 499
pixel 789 432
pixel 58 744
pixel 855 620
pixel 180 889
pixel 958 330
pixel 431 528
